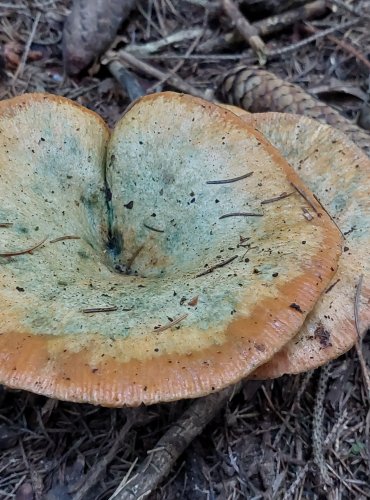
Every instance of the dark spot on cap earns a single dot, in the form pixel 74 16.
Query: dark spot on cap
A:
pixel 297 307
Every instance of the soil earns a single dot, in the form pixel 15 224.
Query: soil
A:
pixel 262 445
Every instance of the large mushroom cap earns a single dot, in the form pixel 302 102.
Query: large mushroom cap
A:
pixel 338 173
pixel 197 297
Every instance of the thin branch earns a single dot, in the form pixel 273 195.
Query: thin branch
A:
pixel 346 46
pixel 179 65
pixel 62 238
pixel 127 80
pixel 172 444
pixel 349 8
pixel 305 197
pixel 20 68
pixel 295 46
pixel 152 47
pixel 22 252
pixel 229 181
pixel 276 198
pixel 172 323
pixel 330 288
pixel 216 266
pixel 147 69
pixel 329 215
pixel 240 214
pixel 93 310
pixel 249 32
pixel 274 24
pixel 151 228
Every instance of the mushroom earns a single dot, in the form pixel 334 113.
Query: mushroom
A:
pixel 163 275
pixel 338 173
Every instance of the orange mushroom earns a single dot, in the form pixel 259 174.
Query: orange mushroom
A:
pixel 168 277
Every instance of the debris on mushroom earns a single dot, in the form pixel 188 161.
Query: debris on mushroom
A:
pixel 61 174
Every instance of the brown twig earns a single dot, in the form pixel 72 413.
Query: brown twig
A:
pixel 240 214
pixel 274 24
pixel 172 444
pixel 295 46
pixel 93 310
pixel 305 197
pixel 20 68
pixel 268 26
pixel 173 72
pixel 6 224
pixel 276 198
pixel 330 288
pixel 127 80
pixel 216 266
pixel 247 30
pixel 134 256
pixel 151 228
pixel 22 252
pixel 346 46
pixel 172 323
pixel 329 215
pixel 229 181
pixel 146 68
pixel 62 238
pixel 349 8
pixel 157 45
